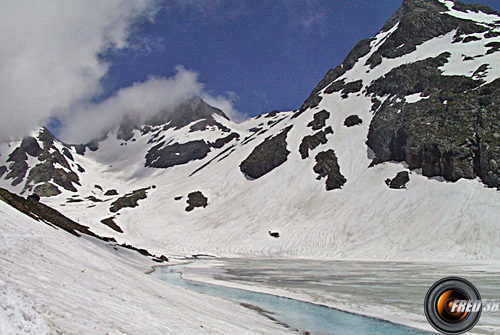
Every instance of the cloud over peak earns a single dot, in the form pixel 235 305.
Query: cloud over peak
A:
pixel 50 66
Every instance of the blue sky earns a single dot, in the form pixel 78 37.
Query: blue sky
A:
pixel 81 66
pixel 264 55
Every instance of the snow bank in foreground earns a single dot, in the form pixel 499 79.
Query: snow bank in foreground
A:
pixel 17 315
pixel 52 282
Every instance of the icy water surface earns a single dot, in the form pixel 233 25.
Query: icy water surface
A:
pixel 301 316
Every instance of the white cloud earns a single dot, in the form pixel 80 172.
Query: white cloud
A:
pixel 139 101
pixel 49 55
pixel 50 67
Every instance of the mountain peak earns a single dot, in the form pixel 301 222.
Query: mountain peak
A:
pixel 195 109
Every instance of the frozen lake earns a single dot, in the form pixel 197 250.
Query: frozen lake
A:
pixel 392 291
pixel 303 317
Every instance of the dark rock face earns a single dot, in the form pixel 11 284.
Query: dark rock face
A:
pixel 220 156
pixel 399 182
pixel 419 21
pixel 219 143
pixel 31 146
pixel 46 137
pixel 126 130
pixel 274 123
pixel 176 154
pixel 424 17
pixel 73 200
pixel 336 86
pixel 129 200
pixel 111 224
pixel 19 166
pixel 313 141
pixel 198 126
pixel 422 76
pixel 45 214
pixel 255 129
pixel 327 166
pixel 67 153
pixel 454 133
pixel 46 190
pixel 190 111
pixel 3 169
pixel 92 145
pixel 352 121
pixel 319 120
pixel 196 199
pixel 340 85
pixel 93 199
pixel 272 114
pixel 469 39
pixel 45 170
pixel 352 87
pixel 196 109
pixel 494 47
pixel 111 192
pixel 33 197
pixel 361 49
pixel 266 156
pixel 274 234
pixel 460 6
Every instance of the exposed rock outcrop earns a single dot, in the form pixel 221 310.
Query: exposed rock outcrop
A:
pixel 266 156
pixel 46 189
pixel 110 222
pixel 352 121
pixel 419 21
pixel 453 132
pixel 44 213
pixel 311 142
pixel 45 171
pixel 111 192
pixel 196 199
pixel 319 120
pixel 219 143
pixel 18 167
pixel 195 109
pixel 129 200
pixel 327 166
pixel 399 182
pixel 361 49
pixel 176 154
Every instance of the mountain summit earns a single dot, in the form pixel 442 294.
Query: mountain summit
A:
pixel 398 143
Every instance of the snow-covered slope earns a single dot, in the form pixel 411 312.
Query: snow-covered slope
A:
pixel 52 282
pixel 419 101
